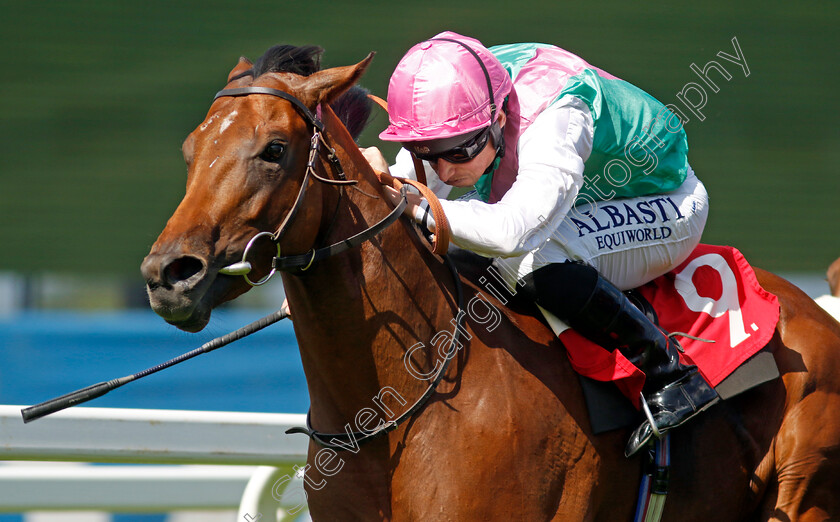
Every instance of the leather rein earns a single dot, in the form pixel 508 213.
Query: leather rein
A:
pixel 301 262
pixel 352 439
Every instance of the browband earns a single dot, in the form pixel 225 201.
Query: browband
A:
pixel 303 109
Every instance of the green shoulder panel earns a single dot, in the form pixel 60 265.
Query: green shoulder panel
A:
pixel 514 56
pixel 639 147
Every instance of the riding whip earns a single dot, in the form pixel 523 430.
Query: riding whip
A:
pixel 97 390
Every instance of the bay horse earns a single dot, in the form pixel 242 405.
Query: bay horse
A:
pixel 505 435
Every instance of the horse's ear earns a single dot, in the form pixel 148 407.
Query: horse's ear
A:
pixel 327 85
pixel 243 65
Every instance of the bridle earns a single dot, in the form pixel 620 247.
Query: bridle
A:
pixel 336 440
pixel 303 262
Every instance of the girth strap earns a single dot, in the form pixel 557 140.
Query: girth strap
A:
pixel 653 489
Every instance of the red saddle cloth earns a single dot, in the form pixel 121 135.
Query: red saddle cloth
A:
pixel 713 295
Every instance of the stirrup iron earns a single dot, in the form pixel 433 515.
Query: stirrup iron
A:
pixel 649 415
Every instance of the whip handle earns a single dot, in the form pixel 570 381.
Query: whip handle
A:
pixel 71 399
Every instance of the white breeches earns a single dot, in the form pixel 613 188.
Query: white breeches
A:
pixel 629 241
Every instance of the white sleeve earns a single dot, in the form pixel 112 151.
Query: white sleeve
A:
pixel 404 168
pixel 551 156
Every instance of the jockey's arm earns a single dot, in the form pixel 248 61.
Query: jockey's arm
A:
pixel 551 154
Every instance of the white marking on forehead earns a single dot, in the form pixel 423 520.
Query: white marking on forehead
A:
pixel 213 162
pixel 207 123
pixel 227 121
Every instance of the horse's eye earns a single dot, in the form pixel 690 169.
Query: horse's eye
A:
pixel 273 152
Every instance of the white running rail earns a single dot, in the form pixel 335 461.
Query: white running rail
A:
pixel 225 460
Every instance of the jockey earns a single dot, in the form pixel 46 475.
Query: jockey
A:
pixel 582 185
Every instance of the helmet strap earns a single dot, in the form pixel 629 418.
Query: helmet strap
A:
pixel 493 166
pixel 498 138
pixel 483 69
pixel 485 182
pixel 496 133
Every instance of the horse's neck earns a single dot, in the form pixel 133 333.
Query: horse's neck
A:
pixel 355 317
pixel 358 313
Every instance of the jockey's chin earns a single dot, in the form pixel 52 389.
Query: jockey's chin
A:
pixel 460 182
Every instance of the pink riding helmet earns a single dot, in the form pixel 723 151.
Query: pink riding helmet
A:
pixel 439 90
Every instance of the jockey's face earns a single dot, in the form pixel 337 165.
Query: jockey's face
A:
pixel 466 174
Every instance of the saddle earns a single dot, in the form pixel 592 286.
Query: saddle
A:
pixel 712 303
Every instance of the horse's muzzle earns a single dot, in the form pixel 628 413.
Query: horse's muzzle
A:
pixel 176 284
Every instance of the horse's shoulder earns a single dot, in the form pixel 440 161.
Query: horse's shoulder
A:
pixel 476 271
pixel 521 313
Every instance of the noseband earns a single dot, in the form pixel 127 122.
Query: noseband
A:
pixel 302 262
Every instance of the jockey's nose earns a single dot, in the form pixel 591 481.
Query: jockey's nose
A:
pixel 444 169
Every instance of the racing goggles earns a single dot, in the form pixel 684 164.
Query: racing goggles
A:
pixel 448 149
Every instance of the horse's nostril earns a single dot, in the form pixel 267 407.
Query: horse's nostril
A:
pixel 182 269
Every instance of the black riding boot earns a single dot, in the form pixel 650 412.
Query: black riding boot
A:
pixel 674 392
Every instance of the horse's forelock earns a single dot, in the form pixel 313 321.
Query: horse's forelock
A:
pixel 353 108
pixel 303 60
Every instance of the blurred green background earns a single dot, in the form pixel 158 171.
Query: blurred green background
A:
pixel 97 97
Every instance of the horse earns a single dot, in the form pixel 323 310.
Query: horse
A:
pixel 504 433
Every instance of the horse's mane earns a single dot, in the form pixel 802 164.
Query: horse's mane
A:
pixel 353 108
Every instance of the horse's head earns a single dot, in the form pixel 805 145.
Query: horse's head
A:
pixel 246 163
